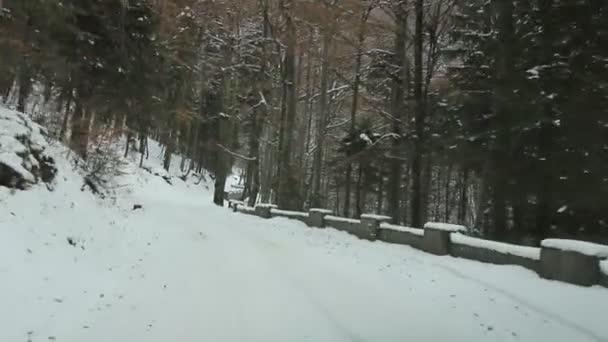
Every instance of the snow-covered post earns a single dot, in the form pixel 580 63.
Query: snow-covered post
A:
pixel 316 217
pixel 437 237
pixel 263 210
pixel 370 225
pixel 232 204
pixel 575 262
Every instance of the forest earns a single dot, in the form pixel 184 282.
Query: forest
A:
pixel 488 113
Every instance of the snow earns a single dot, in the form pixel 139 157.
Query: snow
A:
pixel 14 128
pixel 183 269
pixel 365 138
pixel 375 217
pixel 245 209
pixel 583 247
pixel 445 227
pixel 533 73
pixel 341 219
pixel 604 266
pixel 289 213
pixel 12 160
pixel 322 211
pixel 414 231
pixel 522 251
pixel 266 205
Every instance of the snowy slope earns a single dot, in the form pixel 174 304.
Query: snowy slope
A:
pixel 184 270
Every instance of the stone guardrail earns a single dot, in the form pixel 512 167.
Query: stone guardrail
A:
pixel 575 262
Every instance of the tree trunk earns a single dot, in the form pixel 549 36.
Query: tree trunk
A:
pixel 25 86
pixel 218 192
pixel 25 70
pixel 380 192
pixel 308 107
pixel 79 140
pixel 347 186
pixel 397 108
pixel 287 192
pixel 464 199
pixel 406 194
pixel 545 206
pixel 447 192
pixel 502 96
pixel 267 169
pixel 317 198
pixel 184 146
pixel 143 147
pixel 219 132
pixel 354 108
pixel 66 115
pixel 128 144
pixel 427 175
pixel 416 209
pixel 194 142
pixel 359 193
pixel 169 143
pixel 519 208
pixel 6 85
pixel 268 174
pixel 253 177
pixel 482 209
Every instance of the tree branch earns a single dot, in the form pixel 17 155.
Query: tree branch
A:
pixel 234 154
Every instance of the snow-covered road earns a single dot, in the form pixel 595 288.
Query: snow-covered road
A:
pixel 184 270
pixel 257 280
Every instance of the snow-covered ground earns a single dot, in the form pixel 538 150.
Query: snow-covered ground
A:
pixel 76 268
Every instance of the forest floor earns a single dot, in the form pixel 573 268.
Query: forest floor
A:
pixel 77 268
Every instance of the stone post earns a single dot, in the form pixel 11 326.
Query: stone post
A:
pixel 437 237
pixel 370 226
pixel 571 261
pixel 316 217
pixel 232 204
pixel 263 210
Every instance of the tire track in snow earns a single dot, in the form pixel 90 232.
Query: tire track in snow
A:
pixel 279 263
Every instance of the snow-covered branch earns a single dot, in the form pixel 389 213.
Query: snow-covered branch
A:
pixel 234 154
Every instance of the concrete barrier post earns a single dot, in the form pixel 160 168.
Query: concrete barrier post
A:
pixel 370 225
pixel 263 210
pixel 437 237
pixel 232 204
pixel 571 261
pixel 316 217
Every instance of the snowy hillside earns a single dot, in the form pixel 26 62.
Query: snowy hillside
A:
pixel 77 268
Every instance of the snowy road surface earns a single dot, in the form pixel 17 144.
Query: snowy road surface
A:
pixel 183 270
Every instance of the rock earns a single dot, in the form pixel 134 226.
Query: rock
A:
pixel 23 161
